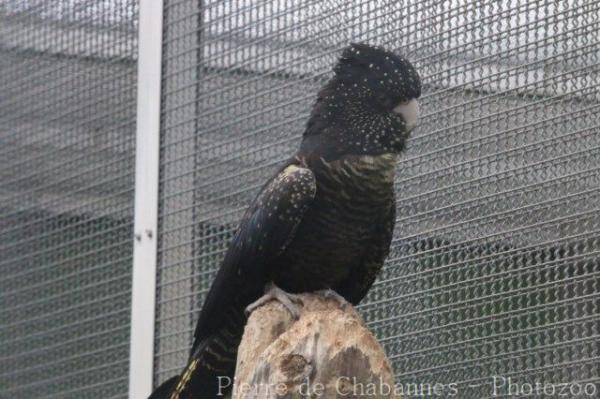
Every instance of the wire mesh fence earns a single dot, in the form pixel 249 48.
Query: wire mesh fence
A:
pixel 67 131
pixel 494 266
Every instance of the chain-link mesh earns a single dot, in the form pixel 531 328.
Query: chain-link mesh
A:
pixel 494 266
pixel 67 135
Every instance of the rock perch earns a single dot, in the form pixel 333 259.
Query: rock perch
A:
pixel 327 353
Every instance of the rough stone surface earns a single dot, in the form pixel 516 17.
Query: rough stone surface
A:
pixel 327 353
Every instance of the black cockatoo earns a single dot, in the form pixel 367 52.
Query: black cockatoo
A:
pixel 323 222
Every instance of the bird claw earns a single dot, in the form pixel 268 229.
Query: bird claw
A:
pixel 291 302
pixel 331 294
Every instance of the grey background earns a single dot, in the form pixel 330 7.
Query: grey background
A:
pixel 67 147
pixel 494 267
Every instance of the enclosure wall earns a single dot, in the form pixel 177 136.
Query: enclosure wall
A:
pixel 494 265
pixel 67 146
pixel 494 268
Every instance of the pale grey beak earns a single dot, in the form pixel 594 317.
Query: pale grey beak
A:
pixel 410 112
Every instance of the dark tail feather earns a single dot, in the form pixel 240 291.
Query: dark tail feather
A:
pixel 195 382
pixel 163 391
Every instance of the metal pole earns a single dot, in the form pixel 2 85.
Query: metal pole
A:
pixel 143 293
